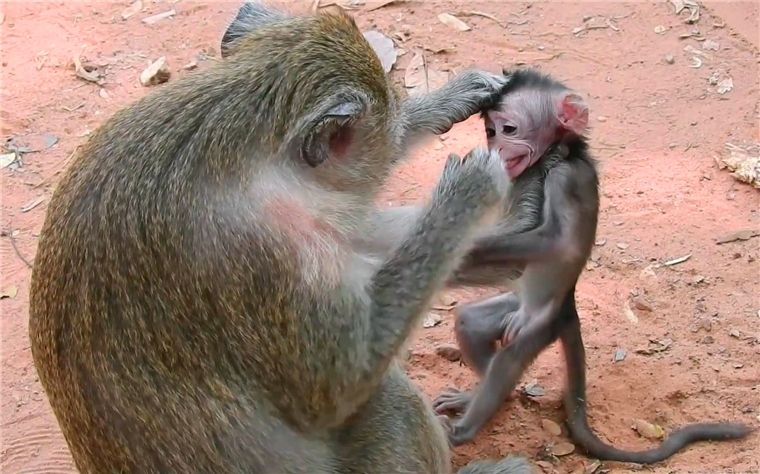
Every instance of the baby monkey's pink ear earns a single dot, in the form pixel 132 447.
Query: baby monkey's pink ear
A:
pixel 573 113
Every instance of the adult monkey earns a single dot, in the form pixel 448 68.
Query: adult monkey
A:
pixel 196 304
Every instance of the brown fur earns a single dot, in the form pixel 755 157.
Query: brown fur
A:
pixel 194 305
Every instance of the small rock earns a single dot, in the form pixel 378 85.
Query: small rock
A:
pixel 639 302
pixel 703 324
pixel 648 430
pixel 545 466
pixel 190 66
pixel 698 279
pixel 600 242
pixel 738 365
pixel 601 118
pixel 619 355
pixel 534 390
pixel 449 352
pixel 735 333
pixel 670 59
pixel 622 246
pixel 659 29
pixel 708 339
pixel 103 94
pixel 431 320
pixel 156 73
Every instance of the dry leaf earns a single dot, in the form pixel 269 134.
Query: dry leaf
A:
pixel 740 235
pixel 132 10
pixel 383 47
pixel 383 4
pixel 629 314
pixel 551 427
pixel 593 467
pixel 562 449
pixel 431 320
pixel 710 45
pixel 9 292
pixel 482 14
pixel 332 9
pixel 676 261
pixel 648 430
pixel 421 78
pixel 454 22
pixel 81 72
pixel 439 50
pixel 656 346
pixel 449 352
pixel 152 20
pixel 7 159
pixel 33 203
pixel 31 143
pixel 545 466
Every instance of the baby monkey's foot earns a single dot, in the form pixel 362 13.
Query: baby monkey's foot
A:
pixel 452 400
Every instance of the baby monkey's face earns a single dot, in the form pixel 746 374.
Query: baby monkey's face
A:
pixel 529 121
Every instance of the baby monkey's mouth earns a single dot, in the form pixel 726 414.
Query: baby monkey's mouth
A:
pixel 514 162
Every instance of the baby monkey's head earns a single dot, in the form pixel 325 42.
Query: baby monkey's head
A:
pixel 534 113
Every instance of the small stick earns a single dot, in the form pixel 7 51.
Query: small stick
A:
pixel 16 249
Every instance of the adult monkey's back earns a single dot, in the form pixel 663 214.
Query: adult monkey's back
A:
pixel 196 306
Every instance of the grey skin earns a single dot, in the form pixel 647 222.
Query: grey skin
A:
pixel 196 304
pixel 536 114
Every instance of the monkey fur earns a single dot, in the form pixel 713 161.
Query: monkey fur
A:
pixel 197 304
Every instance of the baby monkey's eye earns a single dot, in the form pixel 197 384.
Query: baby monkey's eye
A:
pixel 508 129
pixel 490 132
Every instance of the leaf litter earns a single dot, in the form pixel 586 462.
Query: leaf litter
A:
pixel 420 78
pixel 384 48
pixel 744 163
pixel 454 22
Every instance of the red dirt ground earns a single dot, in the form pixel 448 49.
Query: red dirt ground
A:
pixel 656 130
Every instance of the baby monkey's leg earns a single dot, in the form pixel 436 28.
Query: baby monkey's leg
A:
pixel 478 327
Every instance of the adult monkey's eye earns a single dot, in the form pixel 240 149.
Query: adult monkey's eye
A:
pixel 490 132
pixel 508 129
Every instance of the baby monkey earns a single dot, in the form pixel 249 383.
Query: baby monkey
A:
pixel 540 123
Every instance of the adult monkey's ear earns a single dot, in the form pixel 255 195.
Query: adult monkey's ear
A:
pixel 250 17
pixel 331 134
